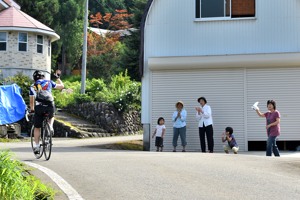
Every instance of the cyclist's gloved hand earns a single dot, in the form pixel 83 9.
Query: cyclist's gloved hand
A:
pixel 57 74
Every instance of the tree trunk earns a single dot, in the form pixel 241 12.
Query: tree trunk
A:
pixel 63 60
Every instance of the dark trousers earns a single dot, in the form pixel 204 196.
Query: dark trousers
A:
pixel 210 138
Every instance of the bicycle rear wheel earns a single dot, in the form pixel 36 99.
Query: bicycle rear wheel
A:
pixel 47 140
pixel 39 155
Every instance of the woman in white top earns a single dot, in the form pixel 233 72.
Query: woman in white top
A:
pixel 204 116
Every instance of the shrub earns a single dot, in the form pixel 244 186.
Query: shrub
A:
pixel 23 81
pixel 122 92
pixel 66 96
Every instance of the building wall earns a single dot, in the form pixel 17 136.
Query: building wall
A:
pixel 171 30
pixel 13 60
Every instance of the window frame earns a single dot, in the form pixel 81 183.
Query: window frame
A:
pixel 39 44
pixel 4 41
pixel 198 6
pixel 22 42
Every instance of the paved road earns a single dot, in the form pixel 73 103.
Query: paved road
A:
pixel 106 174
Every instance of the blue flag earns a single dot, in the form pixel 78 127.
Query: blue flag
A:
pixel 12 105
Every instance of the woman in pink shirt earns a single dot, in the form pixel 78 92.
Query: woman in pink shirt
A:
pixel 272 126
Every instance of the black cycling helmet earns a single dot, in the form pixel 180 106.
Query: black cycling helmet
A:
pixel 38 75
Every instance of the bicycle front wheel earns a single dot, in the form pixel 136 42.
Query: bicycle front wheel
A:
pixel 37 155
pixel 47 141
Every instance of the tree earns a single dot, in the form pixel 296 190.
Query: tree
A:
pixel 65 17
pixel 70 28
pixel 104 50
pixel 131 52
pixel 106 6
pixel 42 10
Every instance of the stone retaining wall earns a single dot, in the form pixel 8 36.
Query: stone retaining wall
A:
pixel 108 118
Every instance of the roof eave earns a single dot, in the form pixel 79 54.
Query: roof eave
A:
pixel 142 53
pixel 4 4
pixel 52 34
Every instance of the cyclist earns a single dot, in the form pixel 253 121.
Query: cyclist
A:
pixel 39 105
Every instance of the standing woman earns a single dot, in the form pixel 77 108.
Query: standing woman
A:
pixel 272 126
pixel 179 126
pixel 204 117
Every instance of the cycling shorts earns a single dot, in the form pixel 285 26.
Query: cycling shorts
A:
pixel 39 113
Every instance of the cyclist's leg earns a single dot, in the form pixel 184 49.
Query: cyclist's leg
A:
pixel 38 121
pixel 50 111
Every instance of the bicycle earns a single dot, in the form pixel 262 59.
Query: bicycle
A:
pixel 45 139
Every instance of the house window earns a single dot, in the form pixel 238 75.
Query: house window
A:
pixel 23 41
pixel 225 8
pixel 39 43
pixel 49 48
pixel 3 41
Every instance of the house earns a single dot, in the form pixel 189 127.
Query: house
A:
pixel 234 53
pixel 25 43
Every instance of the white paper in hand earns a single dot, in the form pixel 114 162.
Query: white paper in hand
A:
pixel 255 107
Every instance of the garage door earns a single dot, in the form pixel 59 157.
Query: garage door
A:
pixel 224 90
pixel 282 85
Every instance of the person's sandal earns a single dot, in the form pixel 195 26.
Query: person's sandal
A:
pixel 174 150
pixel 183 150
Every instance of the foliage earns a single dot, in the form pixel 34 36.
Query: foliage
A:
pixel 106 6
pixel 66 18
pixel 122 92
pixel 23 81
pixel 130 55
pixel 110 55
pixel 43 10
pixel 104 50
pixel 117 21
pixel 69 25
pixel 67 96
pixel 17 183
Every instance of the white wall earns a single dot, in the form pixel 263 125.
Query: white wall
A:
pixel 171 30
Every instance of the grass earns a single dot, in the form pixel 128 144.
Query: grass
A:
pixel 17 183
pixel 6 140
pixel 135 145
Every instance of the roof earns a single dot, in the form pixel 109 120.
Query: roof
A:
pixel 13 18
pixel 3 5
pixel 147 8
pixel 11 3
pixel 103 32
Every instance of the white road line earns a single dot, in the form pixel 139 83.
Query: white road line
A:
pixel 60 182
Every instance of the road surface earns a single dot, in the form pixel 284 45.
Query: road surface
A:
pixel 96 173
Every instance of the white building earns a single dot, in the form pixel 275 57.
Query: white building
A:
pixel 234 53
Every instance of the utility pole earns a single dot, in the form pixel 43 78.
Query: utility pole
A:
pixel 84 50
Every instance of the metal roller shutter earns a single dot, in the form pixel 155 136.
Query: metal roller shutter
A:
pixel 281 85
pixel 224 90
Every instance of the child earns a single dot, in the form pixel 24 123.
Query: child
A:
pixel 228 136
pixel 159 132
